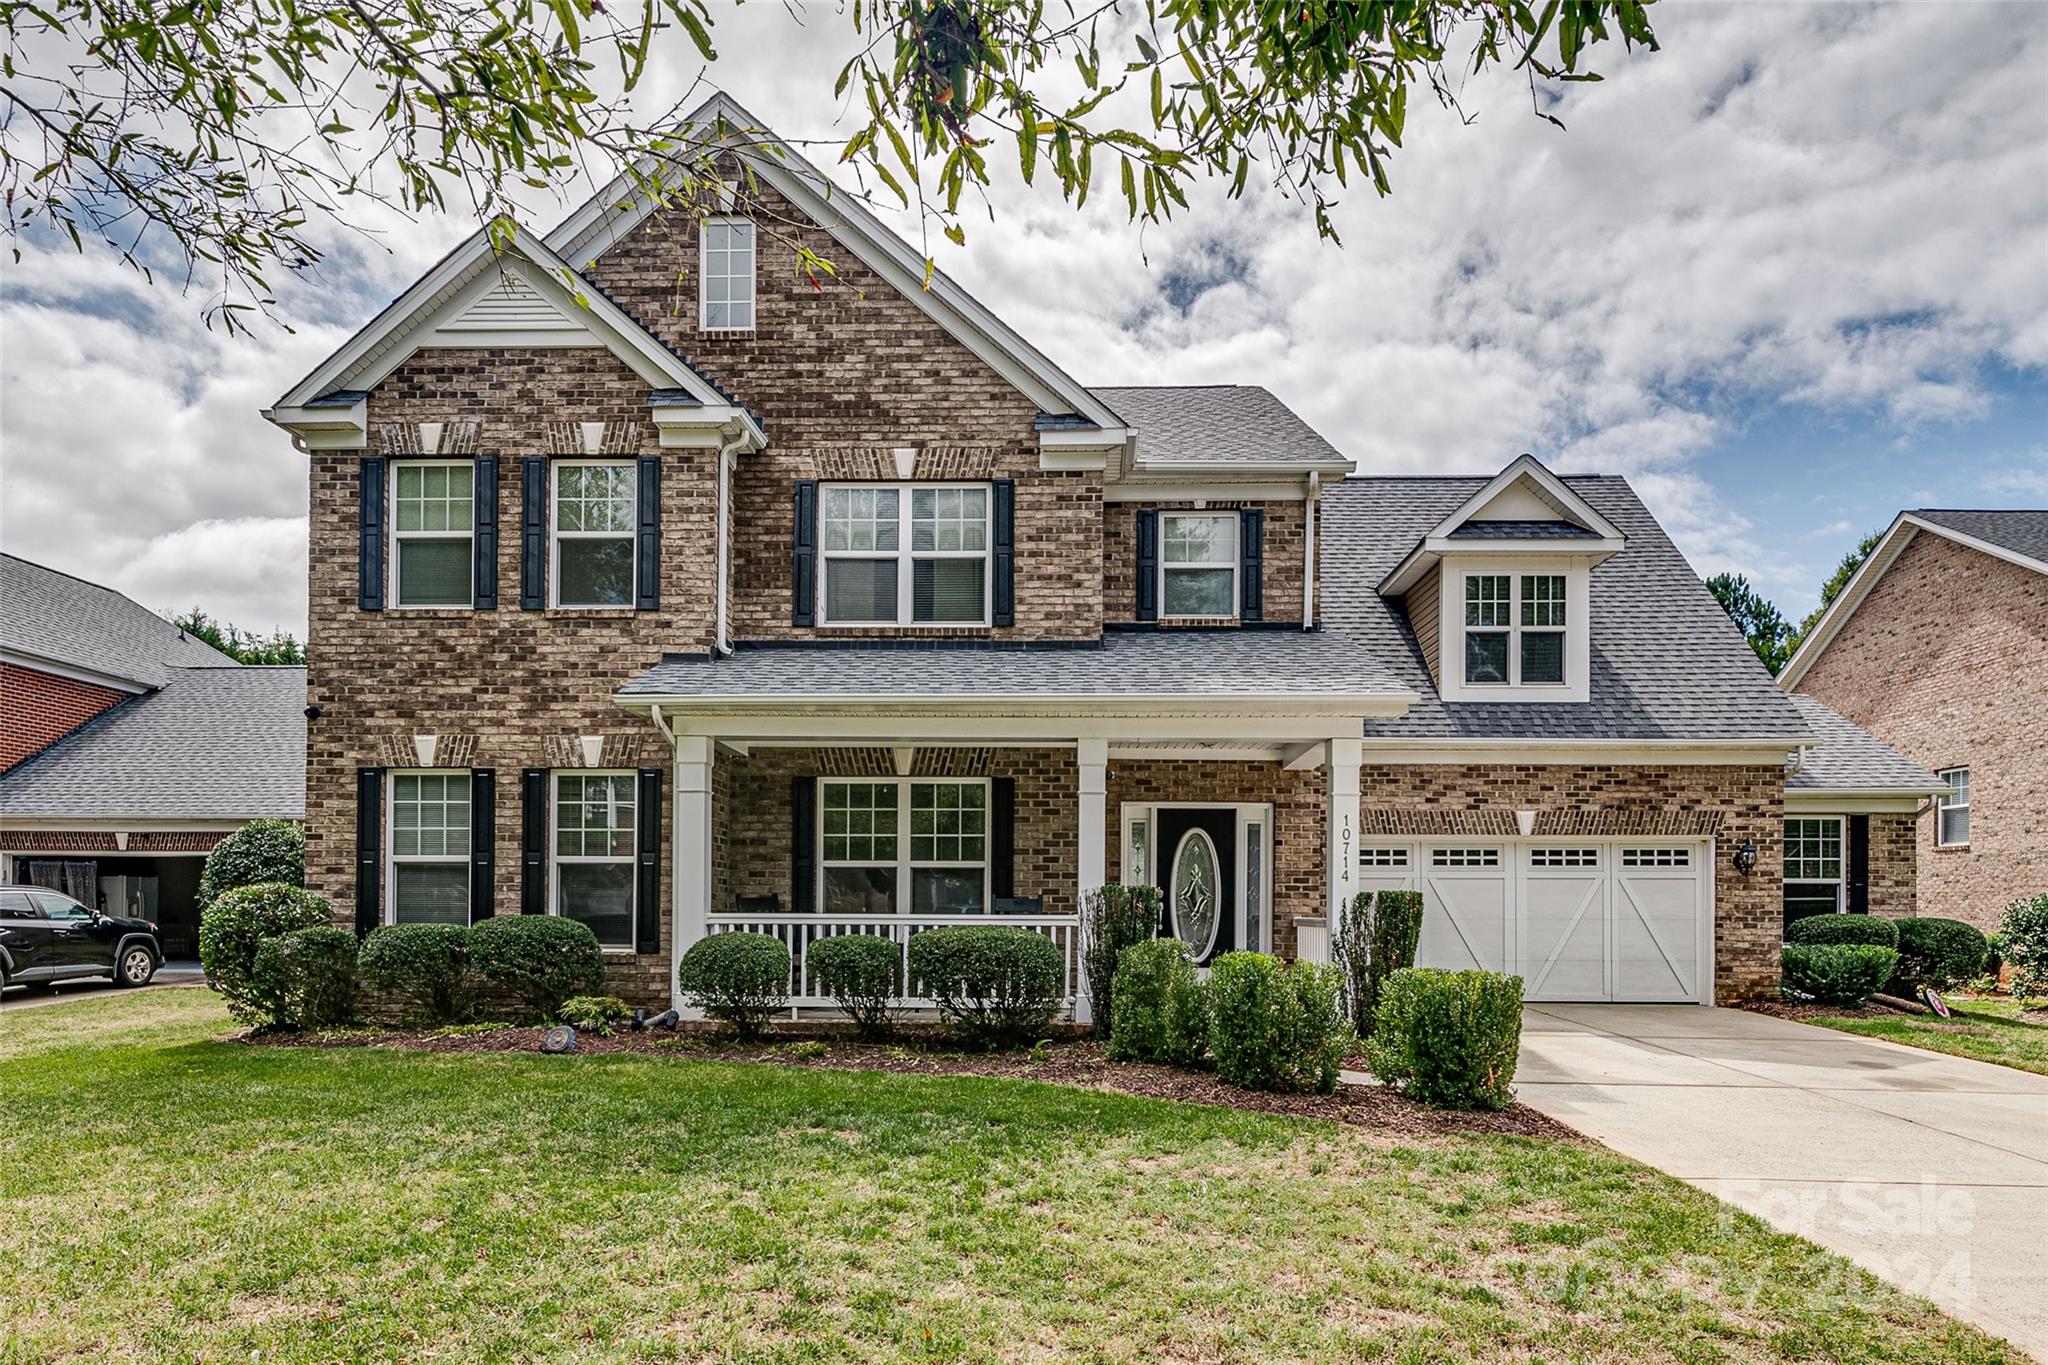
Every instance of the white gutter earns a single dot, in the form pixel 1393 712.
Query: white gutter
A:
pixel 1805 752
pixel 1308 551
pixel 654 714
pixel 1373 705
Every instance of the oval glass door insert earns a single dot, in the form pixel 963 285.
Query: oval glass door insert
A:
pixel 1196 912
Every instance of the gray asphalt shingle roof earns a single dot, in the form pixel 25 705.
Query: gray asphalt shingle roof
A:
pixel 1216 423
pixel 2023 532
pixel 1147 664
pixel 1850 758
pixel 217 743
pixel 1667 664
pixel 51 615
pixel 1522 530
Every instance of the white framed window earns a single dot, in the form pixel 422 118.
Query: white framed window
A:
pixel 1952 808
pixel 1656 857
pixel 1813 865
pixel 904 554
pixel 433 525
pixel 595 506
pixel 1515 628
pixel 903 847
pixel 1464 857
pixel 1564 857
pixel 1198 564
pixel 726 293
pixel 596 828
pixel 427 821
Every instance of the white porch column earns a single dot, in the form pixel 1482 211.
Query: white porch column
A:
pixel 1091 759
pixel 691 852
pixel 1340 840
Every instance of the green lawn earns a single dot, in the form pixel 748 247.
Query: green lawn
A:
pixel 170 1197
pixel 1988 1030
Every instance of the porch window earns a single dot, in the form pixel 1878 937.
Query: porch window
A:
pixel 434 518
pixel 906 554
pixel 1952 808
pixel 871 866
pixel 1813 866
pixel 594 526
pixel 1198 566
pixel 595 832
pixel 430 847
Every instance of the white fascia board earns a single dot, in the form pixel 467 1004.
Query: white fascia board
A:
pixel 1855 801
pixel 1634 753
pixel 1124 490
pixel 1211 469
pixel 327 427
pixel 121 824
pixel 1553 490
pixel 1894 542
pixel 2010 556
pixel 1435 549
pixel 681 427
pixel 1000 727
pixel 74 672
pixel 1364 705
pixel 1081 448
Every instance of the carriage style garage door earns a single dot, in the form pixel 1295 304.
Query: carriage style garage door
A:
pixel 1588 920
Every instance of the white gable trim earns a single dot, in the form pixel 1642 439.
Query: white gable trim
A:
pixel 1524 472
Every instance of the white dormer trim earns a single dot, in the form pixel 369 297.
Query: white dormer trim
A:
pixel 1525 477
pixel 1578 636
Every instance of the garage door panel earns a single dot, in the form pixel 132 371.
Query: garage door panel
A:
pixel 1468 893
pixel 1656 935
pixel 1564 927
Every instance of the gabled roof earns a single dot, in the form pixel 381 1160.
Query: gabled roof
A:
pixel 70 625
pixel 2017 537
pixel 1524 503
pixel 1220 428
pixel 1848 760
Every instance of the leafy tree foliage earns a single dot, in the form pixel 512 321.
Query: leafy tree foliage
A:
pixel 243 647
pixel 1837 580
pixel 1760 622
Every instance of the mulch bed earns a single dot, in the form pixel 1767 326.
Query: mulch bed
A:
pixel 1803 1011
pixel 1081 1063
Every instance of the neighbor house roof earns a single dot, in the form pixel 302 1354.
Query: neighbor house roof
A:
pixel 2023 532
pixel 224 742
pixel 1667 664
pixel 1221 425
pixel 52 618
pixel 1848 758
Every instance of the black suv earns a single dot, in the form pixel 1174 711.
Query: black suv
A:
pixel 46 936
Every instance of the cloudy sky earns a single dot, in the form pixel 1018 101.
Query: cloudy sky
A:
pixel 1790 274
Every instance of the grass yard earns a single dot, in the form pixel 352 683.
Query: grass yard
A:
pixel 1987 1030
pixel 171 1197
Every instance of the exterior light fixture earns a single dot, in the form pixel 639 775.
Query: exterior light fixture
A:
pixel 1745 857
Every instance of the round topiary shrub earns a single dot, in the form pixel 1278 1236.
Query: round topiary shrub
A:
pixel 260 852
pixel 997 985
pixel 1942 953
pixel 233 927
pixel 741 979
pixel 596 1013
pixel 863 973
pixel 426 963
pixel 2023 943
pixel 1843 929
pixel 1836 973
pixel 1159 1008
pixel 310 975
pixel 1449 1038
pixel 1277 1028
pixel 542 959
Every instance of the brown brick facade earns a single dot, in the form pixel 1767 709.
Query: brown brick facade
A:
pixel 1894 852
pixel 37 709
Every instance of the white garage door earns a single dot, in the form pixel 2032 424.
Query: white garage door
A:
pixel 1583 920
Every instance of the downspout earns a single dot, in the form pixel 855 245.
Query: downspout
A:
pixel 726 454
pixel 1805 752
pixel 1308 550
pixel 667 733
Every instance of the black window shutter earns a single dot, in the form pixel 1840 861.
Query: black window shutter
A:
pixel 1002 836
pixel 370 541
pixel 803 836
pixel 483 843
pixel 533 533
pixel 533 841
pixel 1251 572
pixel 647 560
pixel 486 503
pixel 803 559
pixel 647 900
pixel 1004 596
pixel 1859 865
pixel 1148 565
pixel 369 847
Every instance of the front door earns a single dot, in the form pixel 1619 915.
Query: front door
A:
pixel 1198 866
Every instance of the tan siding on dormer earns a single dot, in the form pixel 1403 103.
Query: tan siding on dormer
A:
pixel 1424 605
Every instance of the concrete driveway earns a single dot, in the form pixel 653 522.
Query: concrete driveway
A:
pixel 1929 1171
pixel 170 974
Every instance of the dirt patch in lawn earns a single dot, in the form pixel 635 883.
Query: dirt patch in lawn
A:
pixel 1805 1010
pixel 1076 1062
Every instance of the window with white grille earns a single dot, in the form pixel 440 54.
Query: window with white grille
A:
pixel 1564 857
pixel 1656 857
pixel 1383 857
pixel 1464 857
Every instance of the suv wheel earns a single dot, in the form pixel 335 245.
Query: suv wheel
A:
pixel 136 967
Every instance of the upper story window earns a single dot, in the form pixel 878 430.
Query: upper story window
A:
pixel 905 554
pixel 429 872
pixel 1952 808
pixel 433 522
pixel 596 832
pixel 1508 629
pixel 727 297
pixel 594 525
pixel 1198 564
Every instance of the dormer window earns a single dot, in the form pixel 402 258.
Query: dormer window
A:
pixel 1514 630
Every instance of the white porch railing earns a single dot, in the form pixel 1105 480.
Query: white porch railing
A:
pixel 799 932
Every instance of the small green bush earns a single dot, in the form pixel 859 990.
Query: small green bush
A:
pixel 1837 973
pixel 595 1013
pixel 257 854
pixel 308 977
pixel 1942 953
pixel 542 959
pixel 1160 1010
pixel 997 985
pixel 234 925
pixel 1843 929
pixel 741 979
pixel 1449 1038
pixel 1277 1028
pixel 429 963
pixel 864 974
pixel 2023 942
pixel 1375 939
pixel 1112 919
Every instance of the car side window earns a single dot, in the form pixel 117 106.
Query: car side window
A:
pixel 62 907
pixel 15 905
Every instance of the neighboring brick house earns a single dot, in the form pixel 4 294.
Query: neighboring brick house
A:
pixel 682 596
pixel 1938 645
pixel 131 749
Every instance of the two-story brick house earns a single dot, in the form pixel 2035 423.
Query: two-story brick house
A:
pixel 659 586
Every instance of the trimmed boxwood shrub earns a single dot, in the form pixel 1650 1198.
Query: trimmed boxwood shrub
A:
pixel 542 959
pixel 1160 1010
pixel 1277 1028
pixel 1843 929
pixel 595 1013
pixel 863 973
pixel 998 985
pixel 1837 973
pixel 1112 919
pixel 308 976
pixel 234 925
pixel 2023 943
pixel 429 963
pixel 1449 1038
pixel 1374 940
pixel 741 979
pixel 257 854
pixel 1942 953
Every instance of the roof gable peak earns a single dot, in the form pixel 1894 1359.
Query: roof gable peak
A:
pixel 1523 508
